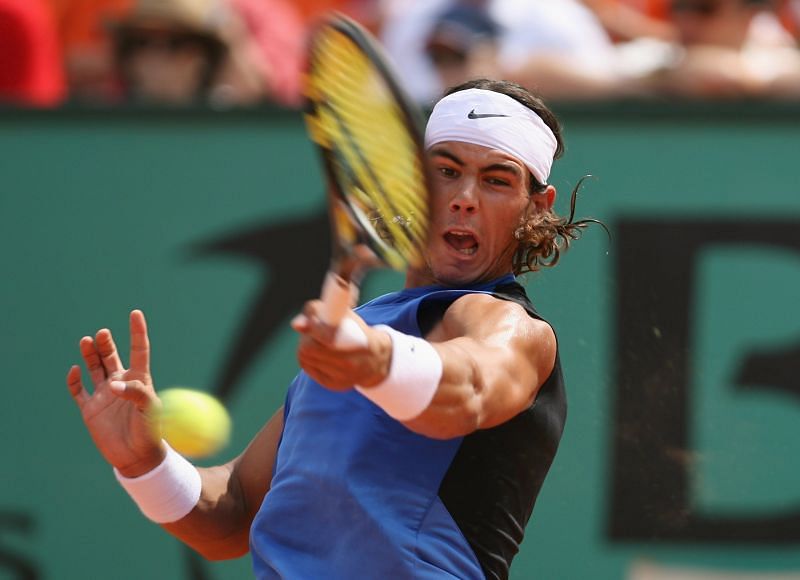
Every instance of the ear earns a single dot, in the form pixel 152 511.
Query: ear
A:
pixel 544 200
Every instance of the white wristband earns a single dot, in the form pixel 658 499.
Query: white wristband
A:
pixel 414 376
pixel 168 492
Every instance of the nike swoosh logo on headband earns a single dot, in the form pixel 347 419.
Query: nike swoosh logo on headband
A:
pixel 473 115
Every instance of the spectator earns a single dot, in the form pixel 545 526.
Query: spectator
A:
pixel 275 48
pixel 559 44
pixel 463 43
pixel 732 48
pixel 88 55
pixel 170 51
pixel 556 47
pixel 407 25
pixel 30 62
pixel 727 23
pixel 626 20
pixel 721 49
pixel 222 52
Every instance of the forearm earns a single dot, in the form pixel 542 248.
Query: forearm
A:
pixel 463 400
pixel 481 365
pixel 218 526
pixel 439 389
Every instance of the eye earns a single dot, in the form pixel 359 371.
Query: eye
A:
pixel 498 181
pixel 447 171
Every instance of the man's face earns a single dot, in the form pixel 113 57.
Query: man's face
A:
pixel 164 65
pixel 478 198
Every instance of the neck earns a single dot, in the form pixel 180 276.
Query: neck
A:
pixel 418 278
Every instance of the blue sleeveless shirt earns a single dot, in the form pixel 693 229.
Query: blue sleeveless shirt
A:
pixel 354 493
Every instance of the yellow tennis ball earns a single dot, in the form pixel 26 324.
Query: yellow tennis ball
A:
pixel 194 423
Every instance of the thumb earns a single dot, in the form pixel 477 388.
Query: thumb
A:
pixel 350 334
pixel 134 392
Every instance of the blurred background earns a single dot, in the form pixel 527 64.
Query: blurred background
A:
pixel 153 155
pixel 234 53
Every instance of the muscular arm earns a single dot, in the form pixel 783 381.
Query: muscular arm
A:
pixel 495 357
pixel 219 526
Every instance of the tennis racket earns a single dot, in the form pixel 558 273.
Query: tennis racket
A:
pixel 370 137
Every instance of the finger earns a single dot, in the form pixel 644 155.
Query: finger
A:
pixel 140 343
pixel 313 325
pixel 108 352
pixel 300 323
pixel 75 386
pixel 133 391
pixel 322 361
pixel 310 312
pixel 92 359
pixel 349 335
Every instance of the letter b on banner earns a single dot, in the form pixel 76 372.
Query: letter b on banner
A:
pixel 699 304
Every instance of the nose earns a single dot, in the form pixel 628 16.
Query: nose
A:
pixel 464 200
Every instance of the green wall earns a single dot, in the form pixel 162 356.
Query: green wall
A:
pixel 105 211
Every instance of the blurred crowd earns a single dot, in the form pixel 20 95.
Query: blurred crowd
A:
pixel 233 53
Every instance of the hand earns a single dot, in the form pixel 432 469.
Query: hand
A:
pixel 115 413
pixel 337 366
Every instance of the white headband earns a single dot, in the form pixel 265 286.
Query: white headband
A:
pixel 495 120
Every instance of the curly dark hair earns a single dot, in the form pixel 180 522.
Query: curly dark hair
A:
pixel 543 235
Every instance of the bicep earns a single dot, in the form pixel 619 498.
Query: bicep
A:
pixel 515 372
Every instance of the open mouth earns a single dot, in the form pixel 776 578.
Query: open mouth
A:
pixel 462 242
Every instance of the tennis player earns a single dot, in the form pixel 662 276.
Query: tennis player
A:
pixel 419 455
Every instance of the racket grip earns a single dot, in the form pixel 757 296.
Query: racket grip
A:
pixel 336 300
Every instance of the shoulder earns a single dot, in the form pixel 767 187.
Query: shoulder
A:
pixel 484 316
pixel 487 305
pixel 482 304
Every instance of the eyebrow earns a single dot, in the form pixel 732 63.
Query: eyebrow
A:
pixel 506 167
pixel 438 152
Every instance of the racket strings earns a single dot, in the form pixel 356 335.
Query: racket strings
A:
pixel 383 167
pixel 358 120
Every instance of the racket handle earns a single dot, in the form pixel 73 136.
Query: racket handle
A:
pixel 336 300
